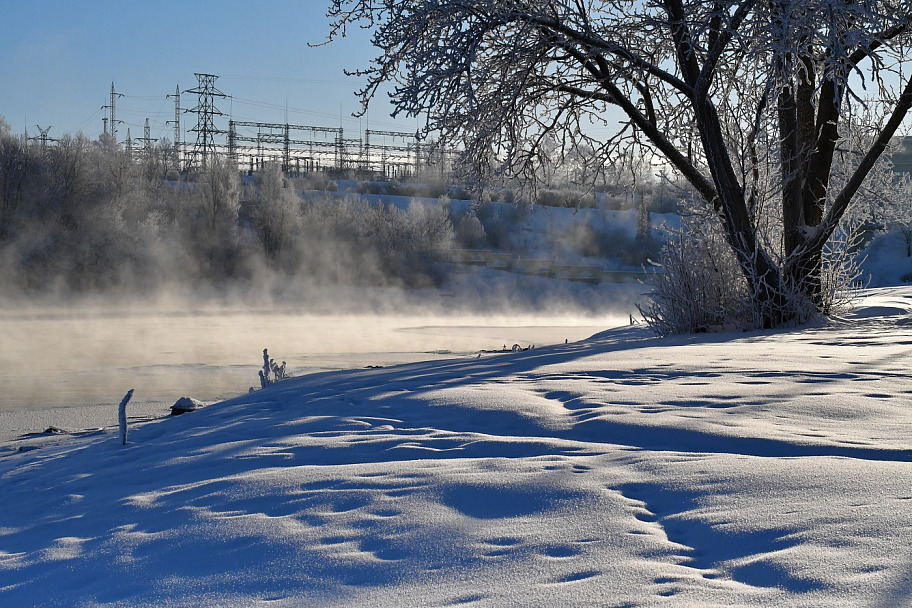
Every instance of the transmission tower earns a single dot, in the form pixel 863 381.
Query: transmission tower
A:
pixel 147 140
pixel 113 118
pixel 176 123
pixel 205 127
pixel 43 138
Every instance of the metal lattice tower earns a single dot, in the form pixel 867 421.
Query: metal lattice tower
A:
pixel 205 127
pixel 176 122
pixel 43 138
pixel 147 140
pixel 113 118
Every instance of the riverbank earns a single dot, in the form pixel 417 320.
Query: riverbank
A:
pixel 748 469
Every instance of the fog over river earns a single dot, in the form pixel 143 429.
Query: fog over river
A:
pixel 70 366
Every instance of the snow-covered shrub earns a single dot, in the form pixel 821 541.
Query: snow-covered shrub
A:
pixel 469 231
pixel 264 373
pixel 413 241
pixel 607 241
pixel 427 228
pixel 697 286
pixel 565 197
pixel 348 240
pixel 271 371
pixel 841 274
pixel 499 221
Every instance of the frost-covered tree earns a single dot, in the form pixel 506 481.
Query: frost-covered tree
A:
pixel 71 177
pixel 220 194
pixel 213 232
pixel 743 98
pixel 278 213
pixel 17 169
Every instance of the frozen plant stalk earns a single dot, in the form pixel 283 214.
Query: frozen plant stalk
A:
pixel 264 373
pixel 122 416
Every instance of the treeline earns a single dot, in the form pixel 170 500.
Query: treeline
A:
pixel 84 216
pixel 655 196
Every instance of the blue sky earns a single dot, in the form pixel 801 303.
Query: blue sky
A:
pixel 59 58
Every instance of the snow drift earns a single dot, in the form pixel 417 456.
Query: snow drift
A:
pixel 760 469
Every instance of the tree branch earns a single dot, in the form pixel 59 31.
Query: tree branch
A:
pixel 841 201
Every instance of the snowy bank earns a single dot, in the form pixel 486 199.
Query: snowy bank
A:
pixel 761 469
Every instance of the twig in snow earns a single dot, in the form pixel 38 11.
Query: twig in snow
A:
pixel 122 415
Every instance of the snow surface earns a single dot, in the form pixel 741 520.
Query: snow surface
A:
pixel 752 469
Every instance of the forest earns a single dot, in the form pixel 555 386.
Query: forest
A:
pixel 86 216
pixel 83 216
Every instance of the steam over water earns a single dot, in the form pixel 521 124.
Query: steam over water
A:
pixel 58 358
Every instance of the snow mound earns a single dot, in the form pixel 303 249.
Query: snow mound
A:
pixel 186 404
pixel 868 312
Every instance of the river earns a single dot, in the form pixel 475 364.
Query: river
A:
pixel 64 365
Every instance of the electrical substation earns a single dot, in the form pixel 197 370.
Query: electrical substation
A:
pixel 250 145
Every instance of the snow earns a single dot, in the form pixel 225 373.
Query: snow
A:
pixel 750 469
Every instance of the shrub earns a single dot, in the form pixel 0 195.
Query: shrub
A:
pixel 698 285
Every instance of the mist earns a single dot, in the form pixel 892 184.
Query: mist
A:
pixel 117 273
pixel 84 219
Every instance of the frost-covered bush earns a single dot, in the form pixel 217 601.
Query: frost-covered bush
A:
pixel 469 231
pixel 317 180
pixel 607 241
pixel 499 222
pixel 271 371
pixel 565 197
pixel 841 275
pixel 697 286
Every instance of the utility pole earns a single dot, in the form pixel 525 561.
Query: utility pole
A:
pixel 286 157
pixel 205 127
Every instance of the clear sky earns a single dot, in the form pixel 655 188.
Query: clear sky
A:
pixel 59 58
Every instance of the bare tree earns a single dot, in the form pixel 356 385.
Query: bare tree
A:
pixel 743 98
